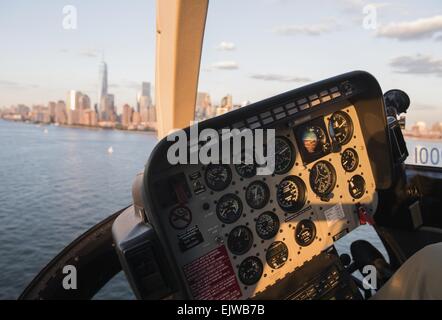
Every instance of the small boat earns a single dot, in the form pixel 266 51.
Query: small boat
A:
pixel 110 150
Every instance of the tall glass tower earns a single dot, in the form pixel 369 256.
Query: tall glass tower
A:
pixel 102 87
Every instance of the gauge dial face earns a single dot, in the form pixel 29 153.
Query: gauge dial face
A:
pixel 240 240
pixel 284 155
pixel 267 225
pixel 246 170
pixel 314 139
pixel 291 194
pixel 257 194
pixel 229 208
pixel 342 127
pixel 322 178
pixel 250 270
pixel 356 186
pixel 218 176
pixel 305 233
pixel 180 217
pixel 350 160
pixel 277 254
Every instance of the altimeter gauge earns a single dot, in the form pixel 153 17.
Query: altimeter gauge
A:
pixel 290 194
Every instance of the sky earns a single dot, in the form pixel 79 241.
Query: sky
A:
pixel 253 49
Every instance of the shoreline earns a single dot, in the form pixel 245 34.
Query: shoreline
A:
pixel 76 126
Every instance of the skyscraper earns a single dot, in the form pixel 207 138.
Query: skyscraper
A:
pixel 84 102
pixel 102 87
pixel 203 109
pixel 108 108
pixel 144 96
pixel 145 89
pixel 73 107
pixel 126 117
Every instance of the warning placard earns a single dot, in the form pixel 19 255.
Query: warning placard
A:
pixel 334 214
pixel 211 277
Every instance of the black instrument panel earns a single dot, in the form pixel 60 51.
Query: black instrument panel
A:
pixel 251 230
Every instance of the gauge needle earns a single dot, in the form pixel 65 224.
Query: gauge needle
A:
pixel 282 151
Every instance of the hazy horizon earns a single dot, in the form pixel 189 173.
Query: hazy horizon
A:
pixel 252 49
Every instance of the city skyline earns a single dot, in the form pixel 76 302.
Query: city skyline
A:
pixel 278 46
pixel 78 109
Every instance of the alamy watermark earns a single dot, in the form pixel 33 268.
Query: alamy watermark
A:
pixel 70 280
pixel 370 280
pixel 70 17
pixel 234 146
pixel 370 21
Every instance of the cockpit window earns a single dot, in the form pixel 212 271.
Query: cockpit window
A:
pixel 256 49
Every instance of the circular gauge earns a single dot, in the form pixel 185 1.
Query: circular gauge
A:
pixel 180 217
pixel 305 233
pixel 267 225
pixel 322 178
pixel 250 270
pixel 284 155
pixel 350 160
pixel 246 170
pixel 356 186
pixel 229 208
pixel 218 176
pixel 342 127
pixel 314 139
pixel 277 254
pixel 240 240
pixel 291 194
pixel 257 194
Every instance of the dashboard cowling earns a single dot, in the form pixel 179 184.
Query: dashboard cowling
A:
pixel 222 253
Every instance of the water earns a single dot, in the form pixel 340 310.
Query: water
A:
pixel 55 183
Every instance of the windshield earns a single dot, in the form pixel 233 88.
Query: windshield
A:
pixel 78 113
pixel 78 119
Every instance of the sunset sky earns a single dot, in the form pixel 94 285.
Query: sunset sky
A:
pixel 253 49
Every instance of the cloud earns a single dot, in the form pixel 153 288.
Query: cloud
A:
pixel 418 64
pixel 310 30
pixel 424 107
pixel 89 53
pixel 224 65
pixel 226 46
pixel 358 5
pixel 16 85
pixel 85 53
pixel 126 84
pixel 412 30
pixel 278 77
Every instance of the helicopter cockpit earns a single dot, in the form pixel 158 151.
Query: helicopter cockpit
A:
pixel 249 204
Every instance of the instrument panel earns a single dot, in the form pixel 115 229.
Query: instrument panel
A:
pixel 234 234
